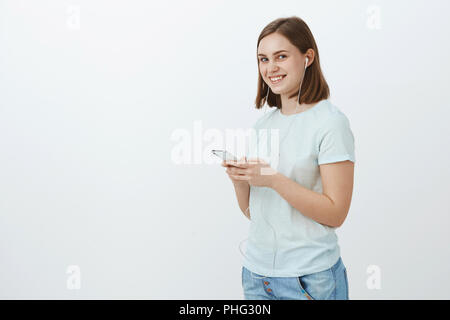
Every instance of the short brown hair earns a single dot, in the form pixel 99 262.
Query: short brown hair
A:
pixel 314 86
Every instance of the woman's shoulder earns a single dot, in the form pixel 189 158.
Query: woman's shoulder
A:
pixel 331 114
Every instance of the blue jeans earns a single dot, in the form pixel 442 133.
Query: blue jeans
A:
pixel 330 284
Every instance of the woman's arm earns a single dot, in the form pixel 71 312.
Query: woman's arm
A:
pixel 242 194
pixel 329 208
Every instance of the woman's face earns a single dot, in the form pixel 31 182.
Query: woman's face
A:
pixel 277 56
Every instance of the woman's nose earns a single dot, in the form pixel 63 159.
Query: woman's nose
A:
pixel 272 68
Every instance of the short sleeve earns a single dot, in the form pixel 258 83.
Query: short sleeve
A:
pixel 336 140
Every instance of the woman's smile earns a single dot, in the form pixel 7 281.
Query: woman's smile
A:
pixel 276 80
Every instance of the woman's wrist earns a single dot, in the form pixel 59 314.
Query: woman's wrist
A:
pixel 240 184
pixel 275 180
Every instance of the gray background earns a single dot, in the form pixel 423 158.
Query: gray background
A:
pixel 87 110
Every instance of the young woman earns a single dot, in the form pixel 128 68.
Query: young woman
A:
pixel 295 207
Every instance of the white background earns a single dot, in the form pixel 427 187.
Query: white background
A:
pixel 88 104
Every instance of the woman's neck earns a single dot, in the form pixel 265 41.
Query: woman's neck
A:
pixel 293 108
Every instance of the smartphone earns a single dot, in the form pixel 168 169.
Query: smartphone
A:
pixel 224 155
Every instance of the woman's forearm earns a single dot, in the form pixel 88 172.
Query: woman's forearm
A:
pixel 242 195
pixel 314 205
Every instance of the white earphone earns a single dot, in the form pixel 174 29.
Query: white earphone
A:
pixel 299 90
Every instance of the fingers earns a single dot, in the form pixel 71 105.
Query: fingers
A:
pixel 255 160
pixel 242 163
pixel 237 177
pixel 228 163
pixel 237 171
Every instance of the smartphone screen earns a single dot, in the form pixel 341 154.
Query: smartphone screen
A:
pixel 224 155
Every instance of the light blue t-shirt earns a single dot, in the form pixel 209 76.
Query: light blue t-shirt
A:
pixel 307 139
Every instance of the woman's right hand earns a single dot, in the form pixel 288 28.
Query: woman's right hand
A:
pixel 233 171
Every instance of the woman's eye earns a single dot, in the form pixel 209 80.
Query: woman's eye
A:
pixel 262 59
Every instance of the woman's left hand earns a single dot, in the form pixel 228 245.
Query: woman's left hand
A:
pixel 256 171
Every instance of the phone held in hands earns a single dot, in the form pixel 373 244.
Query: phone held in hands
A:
pixel 224 155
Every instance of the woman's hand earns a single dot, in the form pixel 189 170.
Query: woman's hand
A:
pixel 255 172
pixel 232 174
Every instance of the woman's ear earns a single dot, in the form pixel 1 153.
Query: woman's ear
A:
pixel 310 57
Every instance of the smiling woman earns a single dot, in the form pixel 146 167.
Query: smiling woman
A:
pixel 295 206
pixel 282 49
